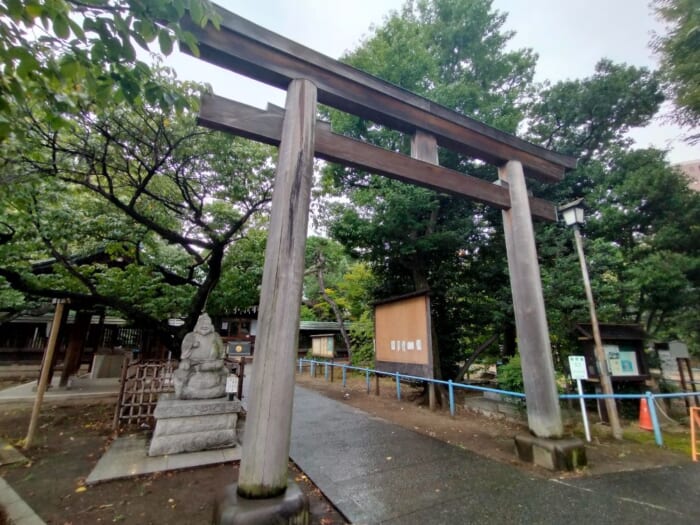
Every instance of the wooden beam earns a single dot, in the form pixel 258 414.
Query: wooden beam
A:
pixel 258 53
pixel 266 126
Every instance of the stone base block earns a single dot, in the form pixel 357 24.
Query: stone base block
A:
pixel 290 508
pixel 193 425
pixel 552 454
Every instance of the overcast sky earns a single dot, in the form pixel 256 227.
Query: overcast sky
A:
pixel 569 36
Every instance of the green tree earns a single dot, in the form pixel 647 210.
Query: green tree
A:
pixel 679 51
pixel 71 53
pixel 641 233
pixel 586 117
pixel 339 289
pixel 453 52
pixel 161 198
pixel 241 274
pixel 647 212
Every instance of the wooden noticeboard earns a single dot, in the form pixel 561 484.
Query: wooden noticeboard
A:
pixel 323 345
pixel 403 336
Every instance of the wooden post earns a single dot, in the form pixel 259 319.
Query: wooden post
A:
pixel 424 147
pixel 265 454
pixel 603 371
pixel 543 411
pixel 43 379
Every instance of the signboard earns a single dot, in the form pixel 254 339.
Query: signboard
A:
pixel 668 357
pixel 621 362
pixel 231 384
pixel 235 348
pixel 577 365
pixel 323 345
pixel 402 336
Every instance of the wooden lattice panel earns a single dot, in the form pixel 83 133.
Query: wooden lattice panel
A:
pixel 142 383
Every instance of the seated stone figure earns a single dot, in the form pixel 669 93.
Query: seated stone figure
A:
pixel 201 373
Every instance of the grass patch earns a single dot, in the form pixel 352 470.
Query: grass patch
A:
pixel 675 442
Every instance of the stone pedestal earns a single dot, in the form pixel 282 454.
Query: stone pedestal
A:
pixel 191 425
pixel 291 508
pixel 552 454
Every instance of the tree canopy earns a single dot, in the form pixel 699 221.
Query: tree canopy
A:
pixel 72 53
pixel 454 52
pixel 158 197
pixel 679 51
pixel 110 194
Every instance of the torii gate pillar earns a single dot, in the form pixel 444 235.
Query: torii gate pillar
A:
pixel 543 412
pixel 262 491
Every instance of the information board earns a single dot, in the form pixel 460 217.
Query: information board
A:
pixel 323 345
pixel 402 336
pixel 621 362
pixel 577 365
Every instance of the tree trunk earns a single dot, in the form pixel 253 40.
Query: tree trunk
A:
pixel 334 306
pixel 76 344
pixel 509 346
pixel 473 357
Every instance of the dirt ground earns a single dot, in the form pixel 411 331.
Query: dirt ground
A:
pixel 72 438
pixel 69 442
pixel 493 437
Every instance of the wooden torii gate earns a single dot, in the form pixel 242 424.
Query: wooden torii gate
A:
pixel 310 78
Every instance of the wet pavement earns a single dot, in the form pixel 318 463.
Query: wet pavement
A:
pixel 377 472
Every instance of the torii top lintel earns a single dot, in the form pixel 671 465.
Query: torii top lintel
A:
pixel 258 53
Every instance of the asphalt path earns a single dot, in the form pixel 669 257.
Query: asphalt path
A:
pixel 377 472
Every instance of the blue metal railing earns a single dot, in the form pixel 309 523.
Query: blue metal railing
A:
pixel 330 365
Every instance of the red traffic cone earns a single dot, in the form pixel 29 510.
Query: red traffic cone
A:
pixel 644 418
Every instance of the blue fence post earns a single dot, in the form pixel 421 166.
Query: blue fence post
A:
pixel 398 386
pixel 325 370
pixel 345 372
pixel 654 420
pixel 367 378
pixel 451 391
pixel 312 369
pixel 300 365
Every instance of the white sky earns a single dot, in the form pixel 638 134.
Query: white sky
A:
pixel 569 36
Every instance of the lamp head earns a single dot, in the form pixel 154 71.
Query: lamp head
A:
pixel 572 213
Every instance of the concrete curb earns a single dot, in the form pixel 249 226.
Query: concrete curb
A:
pixel 18 512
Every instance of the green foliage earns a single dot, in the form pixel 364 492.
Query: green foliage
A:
pixel 510 375
pixel 326 263
pixel 641 238
pixel 362 337
pixel 241 275
pixel 68 54
pixel 585 117
pixel 134 207
pixel 679 50
pixel 453 52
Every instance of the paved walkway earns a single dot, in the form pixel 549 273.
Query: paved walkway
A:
pixel 377 472
pixel 81 388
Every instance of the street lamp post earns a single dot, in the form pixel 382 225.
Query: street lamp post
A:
pixel 573 216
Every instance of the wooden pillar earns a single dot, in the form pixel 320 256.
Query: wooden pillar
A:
pixel 43 380
pixel 543 412
pixel 265 454
pixel 424 147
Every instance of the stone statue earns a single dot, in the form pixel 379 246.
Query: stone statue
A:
pixel 201 373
